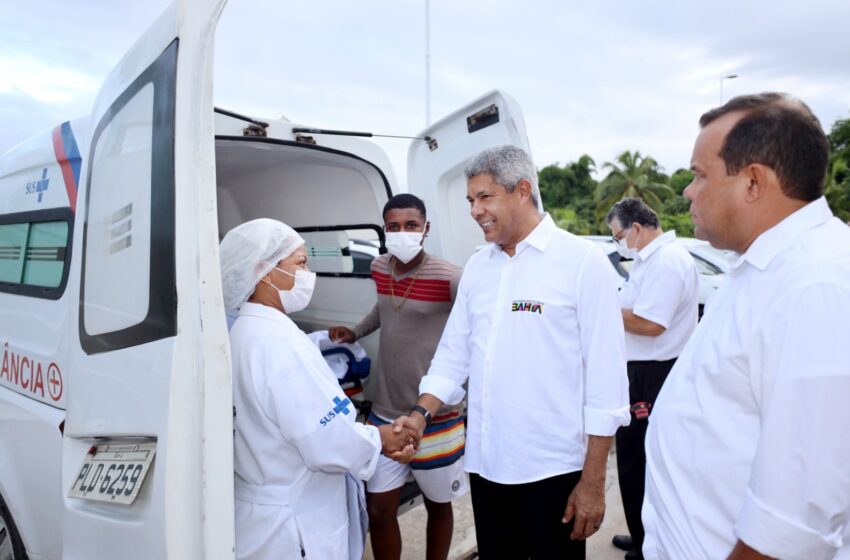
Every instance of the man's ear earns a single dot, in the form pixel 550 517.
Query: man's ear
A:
pixel 524 188
pixel 637 227
pixel 427 229
pixel 760 178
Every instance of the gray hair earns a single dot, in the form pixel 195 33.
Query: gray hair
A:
pixel 508 165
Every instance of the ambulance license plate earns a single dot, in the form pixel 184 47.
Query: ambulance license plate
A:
pixel 113 472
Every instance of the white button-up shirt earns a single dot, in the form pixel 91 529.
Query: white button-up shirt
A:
pixel 748 439
pixel 663 287
pixel 539 336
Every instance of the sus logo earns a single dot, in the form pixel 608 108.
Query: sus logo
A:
pixel 340 406
pixel 38 187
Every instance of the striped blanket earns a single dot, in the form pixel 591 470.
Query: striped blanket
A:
pixel 441 445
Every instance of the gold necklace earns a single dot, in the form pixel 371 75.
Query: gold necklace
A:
pixel 398 306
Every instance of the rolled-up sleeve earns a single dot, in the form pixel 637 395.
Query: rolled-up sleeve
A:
pixel 603 348
pixel 797 505
pixel 450 367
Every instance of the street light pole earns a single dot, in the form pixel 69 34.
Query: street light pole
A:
pixel 427 63
pixel 729 77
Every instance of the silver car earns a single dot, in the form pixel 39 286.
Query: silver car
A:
pixel 712 264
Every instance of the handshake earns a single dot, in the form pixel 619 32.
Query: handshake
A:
pixel 400 440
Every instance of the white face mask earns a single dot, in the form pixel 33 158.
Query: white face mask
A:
pixel 405 245
pixel 623 247
pixel 297 298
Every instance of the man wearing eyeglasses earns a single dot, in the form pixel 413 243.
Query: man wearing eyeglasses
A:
pixel 660 305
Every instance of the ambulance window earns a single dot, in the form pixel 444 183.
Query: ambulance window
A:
pixel 127 290
pixel 13 240
pixel 118 242
pixel 34 250
pixel 45 257
pixel 342 250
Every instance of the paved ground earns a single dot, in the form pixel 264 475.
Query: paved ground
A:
pixel 463 544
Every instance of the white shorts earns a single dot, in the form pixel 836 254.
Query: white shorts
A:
pixel 439 485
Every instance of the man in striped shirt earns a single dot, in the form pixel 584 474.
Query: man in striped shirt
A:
pixel 415 295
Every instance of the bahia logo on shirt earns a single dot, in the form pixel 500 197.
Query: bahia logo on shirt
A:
pixel 340 405
pixel 527 305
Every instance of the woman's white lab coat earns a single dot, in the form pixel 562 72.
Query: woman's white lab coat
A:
pixel 294 440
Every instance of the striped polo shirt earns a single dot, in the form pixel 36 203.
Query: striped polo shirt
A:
pixel 408 335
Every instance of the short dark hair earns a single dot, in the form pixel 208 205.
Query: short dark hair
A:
pixel 778 131
pixel 631 210
pixel 404 200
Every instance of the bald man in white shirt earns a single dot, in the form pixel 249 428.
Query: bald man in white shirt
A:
pixel 747 448
pixel 660 306
pixel 537 333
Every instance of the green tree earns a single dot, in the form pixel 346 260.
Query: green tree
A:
pixel 837 189
pixel 680 223
pixel 575 221
pixel 633 175
pixel 681 179
pixel 565 186
pixel 839 138
pixel 676 205
pixel 554 182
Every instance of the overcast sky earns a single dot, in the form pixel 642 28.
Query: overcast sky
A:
pixel 591 77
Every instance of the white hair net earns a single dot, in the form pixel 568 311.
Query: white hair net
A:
pixel 248 252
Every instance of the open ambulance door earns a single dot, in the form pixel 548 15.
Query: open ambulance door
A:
pixel 147 449
pixel 435 168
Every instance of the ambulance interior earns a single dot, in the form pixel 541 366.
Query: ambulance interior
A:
pixel 333 198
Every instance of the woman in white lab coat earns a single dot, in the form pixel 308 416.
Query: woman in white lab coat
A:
pixel 295 438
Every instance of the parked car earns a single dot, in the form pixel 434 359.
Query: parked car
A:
pixel 712 264
pixel 705 252
pixel 362 252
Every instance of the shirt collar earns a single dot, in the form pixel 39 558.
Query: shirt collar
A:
pixel 655 244
pixel 771 242
pixel 538 238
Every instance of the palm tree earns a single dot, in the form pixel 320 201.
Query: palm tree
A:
pixel 635 176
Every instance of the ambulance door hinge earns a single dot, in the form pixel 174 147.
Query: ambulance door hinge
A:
pixel 305 139
pixel 254 130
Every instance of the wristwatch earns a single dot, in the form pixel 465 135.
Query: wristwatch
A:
pixel 421 410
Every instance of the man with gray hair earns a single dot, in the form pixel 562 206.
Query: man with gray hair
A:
pixel 536 332
pixel 660 304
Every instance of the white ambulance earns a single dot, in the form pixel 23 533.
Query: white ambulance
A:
pixel 115 383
